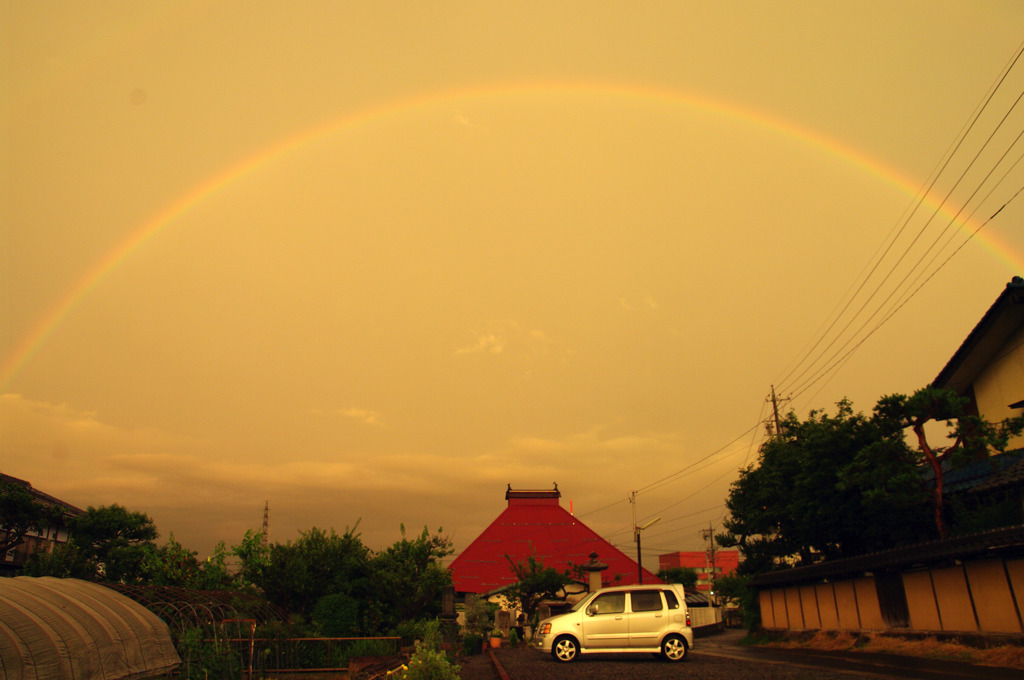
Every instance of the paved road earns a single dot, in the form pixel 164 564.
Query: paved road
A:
pixel 721 658
pixel 527 664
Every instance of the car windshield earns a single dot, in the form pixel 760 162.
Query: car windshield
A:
pixel 576 607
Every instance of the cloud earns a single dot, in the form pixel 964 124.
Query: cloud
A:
pixel 506 335
pixel 368 417
pixel 597 441
pixel 641 301
pixel 463 120
pixel 486 343
pixel 209 491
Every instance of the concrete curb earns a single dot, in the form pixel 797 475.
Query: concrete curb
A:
pixel 497 665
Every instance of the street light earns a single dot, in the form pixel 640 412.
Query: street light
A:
pixel 639 564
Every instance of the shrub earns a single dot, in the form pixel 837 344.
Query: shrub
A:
pixel 472 643
pixel 427 630
pixel 336 615
pixel 204 658
pixel 359 648
pixel 427 664
pixel 478 615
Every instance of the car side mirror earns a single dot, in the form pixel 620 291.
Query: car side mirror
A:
pixel 591 610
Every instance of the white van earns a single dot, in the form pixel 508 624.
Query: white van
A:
pixel 621 619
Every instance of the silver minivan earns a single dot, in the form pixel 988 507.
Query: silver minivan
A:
pixel 620 619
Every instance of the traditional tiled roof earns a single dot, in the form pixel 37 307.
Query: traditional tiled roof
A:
pixel 976 474
pixel 1005 541
pixel 534 523
pixel 39 495
pixel 1009 473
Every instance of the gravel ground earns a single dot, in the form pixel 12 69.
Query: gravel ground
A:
pixel 526 664
pixel 477 667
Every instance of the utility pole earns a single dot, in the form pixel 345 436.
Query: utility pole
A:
pixel 265 539
pixel 636 536
pixel 709 555
pixel 775 409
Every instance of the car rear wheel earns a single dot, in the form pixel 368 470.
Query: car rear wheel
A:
pixel 673 648
pixel 565 649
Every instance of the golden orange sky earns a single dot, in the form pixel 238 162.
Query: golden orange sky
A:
pixel 376 261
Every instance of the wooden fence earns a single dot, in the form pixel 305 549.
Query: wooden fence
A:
pixel 973 596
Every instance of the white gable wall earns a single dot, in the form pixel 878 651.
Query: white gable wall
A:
pixel 1002 383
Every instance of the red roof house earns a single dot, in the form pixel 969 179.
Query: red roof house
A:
pixel 534 523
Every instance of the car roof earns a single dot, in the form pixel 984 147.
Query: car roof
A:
pixel 638 586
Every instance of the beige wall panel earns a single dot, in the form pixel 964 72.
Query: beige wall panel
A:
pixel 992 600
pixel 998 385
pixel 1015 568
pixel 924 612
pixel 809 607
pixel 796 619
pixel 779 607
pixel 764 600
pixel 827 606
pixel 867 604
pixel 954 600
pixel 846 603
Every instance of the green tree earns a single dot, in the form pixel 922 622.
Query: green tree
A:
pixel 827 487
pixel 20 512
pixel 296 575
pixel 115 540
pixel 172 564
pixel 736 588
pixel 970 437
pixel 109 543
pixel 684 575
pixel 534 584
pixel 64 561
pixel 408 576
pixel 478 616
pixel 253 558
pixel 214 572
pixel 337 615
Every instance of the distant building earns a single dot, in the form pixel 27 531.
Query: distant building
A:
pixel 726 562
pixel 534 523
pixel 38 539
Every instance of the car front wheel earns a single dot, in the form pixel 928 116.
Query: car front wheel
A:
pixel 565 649
pixel 674 648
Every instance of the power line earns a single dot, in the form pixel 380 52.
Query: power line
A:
pixel 829 364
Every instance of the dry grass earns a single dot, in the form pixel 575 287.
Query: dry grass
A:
pixel 1005 656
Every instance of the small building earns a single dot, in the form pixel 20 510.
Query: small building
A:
pixel 725 563
pixel 535 524
pixel 38 539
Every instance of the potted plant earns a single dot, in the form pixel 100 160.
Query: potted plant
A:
pixel 496 635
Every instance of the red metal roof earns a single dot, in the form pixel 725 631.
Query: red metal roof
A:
pixel 534 523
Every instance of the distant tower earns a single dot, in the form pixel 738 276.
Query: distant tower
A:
pixel 265 541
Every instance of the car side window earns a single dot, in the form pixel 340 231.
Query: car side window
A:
pixel 645 600
pixel 609 603
pixel 670 598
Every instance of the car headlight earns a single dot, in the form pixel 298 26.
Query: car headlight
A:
pixel 545 629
